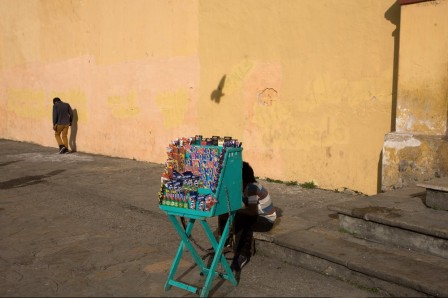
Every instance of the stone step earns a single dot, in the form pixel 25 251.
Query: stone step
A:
pixel 440 184
pixel 436 193
pixel 401 221
pixel 385 270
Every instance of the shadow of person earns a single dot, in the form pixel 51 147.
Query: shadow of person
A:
pixel 73 131
pixel 217 93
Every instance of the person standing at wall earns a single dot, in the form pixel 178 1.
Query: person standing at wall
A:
pixel 62 119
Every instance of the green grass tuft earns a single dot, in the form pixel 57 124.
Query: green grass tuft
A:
pixel 309 185
pixel 274 180
pixel 291 183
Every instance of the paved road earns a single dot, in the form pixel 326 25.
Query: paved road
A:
pixel 89 225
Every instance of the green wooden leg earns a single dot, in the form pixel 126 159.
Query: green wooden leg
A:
pixel 186 241
pixel 219 257
pixel 219 246
pixel 180 250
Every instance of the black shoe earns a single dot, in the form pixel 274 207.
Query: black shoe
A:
pixel 239 261
pixel 63 150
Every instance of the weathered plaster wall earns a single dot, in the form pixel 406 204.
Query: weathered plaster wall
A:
pixel 306 85
pixel 422 102
pixel 418 150
pixel 412 158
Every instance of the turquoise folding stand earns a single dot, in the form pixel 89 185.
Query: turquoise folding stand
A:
pixel 228 195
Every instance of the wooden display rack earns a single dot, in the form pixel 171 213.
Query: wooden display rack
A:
pixel 228 195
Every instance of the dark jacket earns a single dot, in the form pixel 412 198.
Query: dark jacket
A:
pixel 62 113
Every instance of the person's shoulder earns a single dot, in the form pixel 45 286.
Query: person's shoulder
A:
pixel 261 187
pixel 253 186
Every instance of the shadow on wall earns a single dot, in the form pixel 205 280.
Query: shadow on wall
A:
pixel 393 15
pixel 217 93
pixel 73 131
pixel 446 131
pixel 380 173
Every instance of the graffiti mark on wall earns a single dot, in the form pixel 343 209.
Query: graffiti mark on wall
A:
pixel 274 123
pixel 267 96
pixel 123 107
pixel 236 77
pixel 173 106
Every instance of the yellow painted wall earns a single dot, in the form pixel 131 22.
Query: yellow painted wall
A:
pixel 120 64
pixel 418 150
pixel 422 105
pixel 305 85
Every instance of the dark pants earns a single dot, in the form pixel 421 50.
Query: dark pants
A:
pixel 244 228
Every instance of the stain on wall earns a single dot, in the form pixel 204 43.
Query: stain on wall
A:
pixel 237 75
pixel 28 103
pixel 423 110
pixel 173 106
pixel 125 106
pixel 409 159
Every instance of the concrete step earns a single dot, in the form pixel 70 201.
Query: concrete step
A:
pixel 436 193
pixel 385 270
pixel 313 239
pixel 397 220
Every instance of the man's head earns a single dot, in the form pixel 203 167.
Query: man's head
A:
pixel 56 99
pixel 248 173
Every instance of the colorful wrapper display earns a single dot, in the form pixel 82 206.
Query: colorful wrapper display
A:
pixel 193 163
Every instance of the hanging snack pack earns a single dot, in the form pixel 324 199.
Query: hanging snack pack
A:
pixel 201 173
